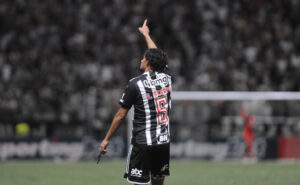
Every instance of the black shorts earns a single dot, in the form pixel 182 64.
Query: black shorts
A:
pixel 145 160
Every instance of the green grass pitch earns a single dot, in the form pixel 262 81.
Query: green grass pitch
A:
pixel 110 172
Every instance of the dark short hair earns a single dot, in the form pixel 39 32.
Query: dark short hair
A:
pixel 158 59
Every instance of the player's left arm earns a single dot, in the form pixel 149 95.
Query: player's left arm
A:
pixel 118 118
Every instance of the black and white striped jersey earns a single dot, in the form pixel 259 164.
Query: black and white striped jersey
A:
pixel 150 93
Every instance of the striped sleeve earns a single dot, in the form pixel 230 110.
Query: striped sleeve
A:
pixel 129 96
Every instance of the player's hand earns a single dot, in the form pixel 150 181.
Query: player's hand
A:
pixel 103 145
pixel 144 29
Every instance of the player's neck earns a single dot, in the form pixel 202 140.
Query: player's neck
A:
pixel 148 69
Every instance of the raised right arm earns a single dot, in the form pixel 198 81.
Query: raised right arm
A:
pixel 145 32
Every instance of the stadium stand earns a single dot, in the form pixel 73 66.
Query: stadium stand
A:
pixel 67 60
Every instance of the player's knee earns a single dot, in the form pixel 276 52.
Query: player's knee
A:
pixel 157 180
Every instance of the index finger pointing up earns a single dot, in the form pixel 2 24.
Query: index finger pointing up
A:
pixel 145 22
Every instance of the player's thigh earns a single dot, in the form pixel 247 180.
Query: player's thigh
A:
pixel 138 166
pixel 160 159
pixel 157 180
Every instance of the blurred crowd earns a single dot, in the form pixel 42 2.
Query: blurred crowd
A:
pixel 69 60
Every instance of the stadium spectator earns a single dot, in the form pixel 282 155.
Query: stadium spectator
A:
pixel 59 57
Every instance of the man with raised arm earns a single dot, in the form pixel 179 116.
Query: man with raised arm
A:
pixel 150 93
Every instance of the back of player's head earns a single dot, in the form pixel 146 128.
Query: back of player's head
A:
pixel 158 60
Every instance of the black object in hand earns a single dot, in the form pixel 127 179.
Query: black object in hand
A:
pixel 99 157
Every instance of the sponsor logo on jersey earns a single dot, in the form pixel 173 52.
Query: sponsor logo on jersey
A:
pixel 160 81
pixel 163 138
pixel 122 98
pixel 136 172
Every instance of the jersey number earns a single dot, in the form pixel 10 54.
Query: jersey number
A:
pixel 162 110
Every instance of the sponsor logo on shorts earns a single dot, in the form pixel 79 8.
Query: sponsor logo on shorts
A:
pixel 136 172
pixel 164 168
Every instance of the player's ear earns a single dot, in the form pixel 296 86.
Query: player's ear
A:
pixel 147 63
